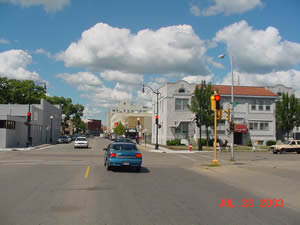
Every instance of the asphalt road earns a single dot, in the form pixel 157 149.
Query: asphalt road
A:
pixel 63 185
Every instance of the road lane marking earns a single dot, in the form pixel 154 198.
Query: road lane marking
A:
pixel 87 172
pixel 187 158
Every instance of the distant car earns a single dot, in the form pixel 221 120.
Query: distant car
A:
pixel 113 137
pixel 122 154
pixel 62 139
pixel 124 140
pixel 81 142
pixel 288 146
pixel 74 136
pixel 69 138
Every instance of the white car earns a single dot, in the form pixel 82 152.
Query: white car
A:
pixel 81 142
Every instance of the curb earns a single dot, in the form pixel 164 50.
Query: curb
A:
pixel 24 149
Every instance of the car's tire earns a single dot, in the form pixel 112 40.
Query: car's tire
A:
pixel 138 169
pixel 275 152
pixel 108 167
pixel 298 152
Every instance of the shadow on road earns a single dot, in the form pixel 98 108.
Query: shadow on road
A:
pixel 129 170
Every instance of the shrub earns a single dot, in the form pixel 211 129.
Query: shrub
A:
pixel 203 141
pixel 250 143
pixel 174 142
pixel 271 142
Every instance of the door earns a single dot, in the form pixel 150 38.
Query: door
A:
pixel 238 138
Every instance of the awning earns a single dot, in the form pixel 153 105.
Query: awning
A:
pixel 240 128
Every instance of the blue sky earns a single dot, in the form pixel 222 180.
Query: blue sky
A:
pixel 101 52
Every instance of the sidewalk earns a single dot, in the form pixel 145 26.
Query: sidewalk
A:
pixel 151 148
pixel 24 149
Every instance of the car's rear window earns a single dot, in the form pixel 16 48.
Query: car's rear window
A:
pixel 80 139
pixel 125 147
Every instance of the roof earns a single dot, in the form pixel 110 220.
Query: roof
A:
pixel 243 90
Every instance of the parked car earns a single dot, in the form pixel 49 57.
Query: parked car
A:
pixel 113 137
pixel 62 139
pixel 122 154
pixel 288 146
pixel 69 138
pixel 74 136
pixel 81 142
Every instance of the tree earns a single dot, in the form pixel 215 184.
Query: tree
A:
pixel 200 106
pixel 287 113
pixel 20 91
pixel 120 129
pixel 27 92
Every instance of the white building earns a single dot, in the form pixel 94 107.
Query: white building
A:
pixel 14 132
pixel 254 113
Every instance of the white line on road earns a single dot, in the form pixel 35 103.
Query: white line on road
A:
pixel 187 158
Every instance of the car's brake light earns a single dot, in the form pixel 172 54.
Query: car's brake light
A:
pixel 138 155
pixel 112 155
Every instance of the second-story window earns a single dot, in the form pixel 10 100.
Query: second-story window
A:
pixel 268 107
pixel 253 106
pixel 181 104
pixel 261 106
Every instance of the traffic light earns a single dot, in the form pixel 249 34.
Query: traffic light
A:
pixel 156 120
pixel 219 114
pixel 217 100
pixel 232 126
pixel 213 103
pixel 227 111
pixel 28 118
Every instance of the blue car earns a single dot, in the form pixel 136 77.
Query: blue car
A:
pixel 122 154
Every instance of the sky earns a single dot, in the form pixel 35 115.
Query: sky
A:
pixel 100 52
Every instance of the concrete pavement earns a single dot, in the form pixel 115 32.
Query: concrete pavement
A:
pixel 55 186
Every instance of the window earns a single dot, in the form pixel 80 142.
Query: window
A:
pixel 253 106
pixel 261 106
pixel 264 126
pixel 181 90
pixel 8 124
pixel 183 128
pixel 253 126
pixel 268 107
pixel 181 104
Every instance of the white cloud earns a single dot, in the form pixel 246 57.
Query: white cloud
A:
pixel 4 41
pixel 13 65
pixel 123 77
pixel 258 51
pixel 289 78
pixel 91 112
pixel 169 49
pixel 197 79
pixel 229 7
pixel 43 52
pixel 81 78
pixel 195 10
pixel 107 97
pixel 49 5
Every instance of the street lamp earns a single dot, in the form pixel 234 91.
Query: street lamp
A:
pixel 51 118
pixel 157 93
pixel 232 103
pixel 138 130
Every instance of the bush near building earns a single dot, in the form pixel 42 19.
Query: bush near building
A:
pixel 203 141
pixel 174 142
pixel 271 142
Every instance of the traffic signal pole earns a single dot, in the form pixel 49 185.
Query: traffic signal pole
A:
pixel 215 106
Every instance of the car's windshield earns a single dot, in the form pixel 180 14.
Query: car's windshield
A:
pixel 81 139
pixel 123 147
